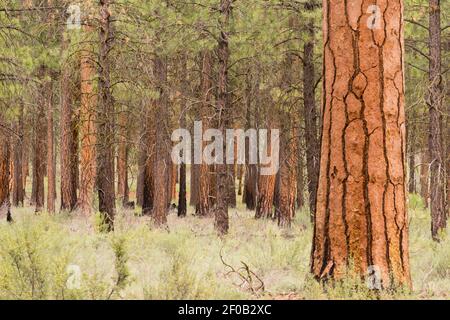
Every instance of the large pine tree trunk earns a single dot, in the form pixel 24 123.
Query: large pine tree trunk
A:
pixel 105 121
pixel 87 127
pixel 361 219
pixel 221 221
pixel 437 176
pixel 68 179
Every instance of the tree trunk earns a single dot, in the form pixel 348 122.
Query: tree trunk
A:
pixel 412 172
pixel 68 180
pixel 4 173
pixel 203 206
pixel 437 176
pixel 310 115
pixel 162 163
pixel 300 181
pixel 38 192
pixel 251 170
pixel 18 193
pixel 51 174
pixel 122 159
pixel 361 220
pixel 105 122
pixel 182 202
pixel 149 162
pixel 221 221
pixel 87 128
pixel 425 177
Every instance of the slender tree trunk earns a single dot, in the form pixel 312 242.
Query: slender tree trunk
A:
pixel 122 160
pixel 425 177
pixel 251 170
pixel 18 186
pixel 300 181
pixel 203 207
pixel 68 180
pixel 38 192
pixel 310 115
pixel 105 121
pixel 221 221
pixel 51 174
pixel 287 174
pixel 149 162
pixel 437 176
pixel 161 169
pixel 87 128
pixel 361 219
pixel 4 174
pixel 182 202
pixel 240 177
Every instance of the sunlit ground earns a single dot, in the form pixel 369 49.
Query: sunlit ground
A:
pixel 65 257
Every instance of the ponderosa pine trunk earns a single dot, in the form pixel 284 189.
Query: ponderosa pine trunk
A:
pixel 161 169
pixel 18 192
pixel 68 178
pixel 203 205
pixel 51 174
pixel 182 200
pixel 425 177
pixel 300 182
pixel 251 170
pixel 221 220
pixel 122 160
pixel 361 220
pixel 87 126
pixel 437 164
pixel 38 192
pixel 4 173
pixel 148 154
pixel 287 184
pixel 105 121
pixel 311 117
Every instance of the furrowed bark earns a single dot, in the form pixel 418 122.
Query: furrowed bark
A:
pixel 361 219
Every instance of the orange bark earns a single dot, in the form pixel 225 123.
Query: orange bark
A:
pixel 361 216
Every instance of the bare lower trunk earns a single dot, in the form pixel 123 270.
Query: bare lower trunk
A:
pixel 361 220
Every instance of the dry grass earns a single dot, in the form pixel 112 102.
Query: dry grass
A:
pixel 140 262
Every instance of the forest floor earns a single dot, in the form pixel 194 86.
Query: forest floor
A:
pixel 66 257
